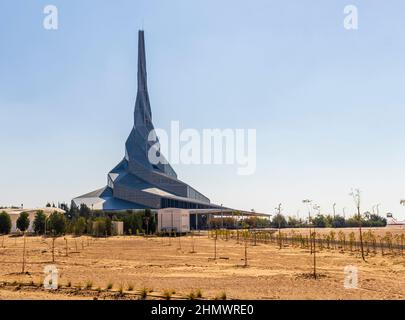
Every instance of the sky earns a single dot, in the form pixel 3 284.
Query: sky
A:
pixel 327 102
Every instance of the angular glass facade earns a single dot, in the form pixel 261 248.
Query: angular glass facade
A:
pixel 135 182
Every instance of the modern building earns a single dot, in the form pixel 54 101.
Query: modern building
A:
pixel 136 183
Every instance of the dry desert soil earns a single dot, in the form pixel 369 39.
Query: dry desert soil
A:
pixel 139 267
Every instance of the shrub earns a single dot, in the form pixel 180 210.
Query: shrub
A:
pixel 198 294
pixel 144 293
pixel 89 284
pixel 130 287
pixel 109 286
pixel 191 296
pixel 167 294
pixel 222 296
pixel 121 289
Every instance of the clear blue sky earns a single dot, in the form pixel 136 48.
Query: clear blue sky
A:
pixel 327 103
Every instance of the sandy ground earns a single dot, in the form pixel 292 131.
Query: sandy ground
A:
pixel 168 264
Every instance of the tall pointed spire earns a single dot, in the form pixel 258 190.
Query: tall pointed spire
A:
pixel 142 78
pixel 137 182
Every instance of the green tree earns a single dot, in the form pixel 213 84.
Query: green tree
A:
pixel 57 224
pixel 84 210
pixel 147 220
pixel 338 222
pixel 108 226
pixel 295 222
pixel 79 226
pixel 5 223
pixel 39 222
pixel 99 227
pixel 375 220
pixel 279 221
pixel 23 221
pixel 320 221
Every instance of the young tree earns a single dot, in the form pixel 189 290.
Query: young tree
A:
pixel 23 221
pixel 357 200
pixel 5 223
pixel 279 221
pixel 39 222
pixel 57 227
pixel 57 224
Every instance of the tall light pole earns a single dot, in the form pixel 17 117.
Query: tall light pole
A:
pixel 334 210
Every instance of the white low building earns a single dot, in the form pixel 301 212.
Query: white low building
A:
pixel 173 219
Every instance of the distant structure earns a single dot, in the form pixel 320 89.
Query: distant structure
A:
pixel 391 221
pixel 135 183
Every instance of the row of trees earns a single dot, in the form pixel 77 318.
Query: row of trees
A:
pixel 99 223
pixel 281 221
pixel 96 223
pixel 329 221
pixel 54 224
